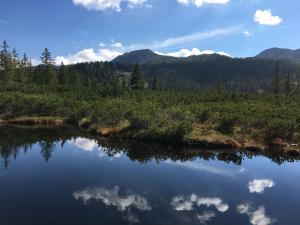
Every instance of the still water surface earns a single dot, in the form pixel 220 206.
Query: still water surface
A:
pixel 65 178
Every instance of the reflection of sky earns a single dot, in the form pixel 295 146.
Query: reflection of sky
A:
pixel 198 191
pixel 111 197
pixel 256 216
pixel 90 145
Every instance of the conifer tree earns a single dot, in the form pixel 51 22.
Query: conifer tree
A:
pixel 288 84
pixel 137 80
pixel 155 84
pixel 62 75
pixel 276 82
pixel 6 69
pixel 47 69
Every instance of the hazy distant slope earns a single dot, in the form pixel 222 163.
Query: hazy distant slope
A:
pixel 280 53
pixel 140 56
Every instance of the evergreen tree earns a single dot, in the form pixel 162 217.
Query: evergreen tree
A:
pixel 288 84
pixel 74 78
pixel 26 69
pixel 62 75
pixel 6 68
pixel 137 80
pixel 276 82
pixel 155 84
pixel 298 79
pixel 48 75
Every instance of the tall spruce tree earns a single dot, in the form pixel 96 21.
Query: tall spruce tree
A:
pixel 155 84
pixel 6 67
pixel 62 75
pixel 288 83
pixel 276 82
pixel 47 68
pixel 137 80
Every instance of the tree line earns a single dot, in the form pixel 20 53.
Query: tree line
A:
pixel 97 75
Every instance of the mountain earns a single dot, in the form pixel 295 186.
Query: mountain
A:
pixel 280 53
pixel 141 56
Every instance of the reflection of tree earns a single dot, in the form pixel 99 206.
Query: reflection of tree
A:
pixel 15 139
pixel 46 149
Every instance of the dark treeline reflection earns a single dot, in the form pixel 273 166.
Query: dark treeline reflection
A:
pixel 14 139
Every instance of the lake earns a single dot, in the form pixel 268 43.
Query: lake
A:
pixel 65 177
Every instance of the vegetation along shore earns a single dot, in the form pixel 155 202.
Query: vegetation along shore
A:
pixel 115 100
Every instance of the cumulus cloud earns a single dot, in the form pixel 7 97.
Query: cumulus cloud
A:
pixel 181 203
pixel 88 55
pixel 102 5
pixel 200 3
pixel 259 185
pixel 111 197
pixel 256 217
pixel 84 144
pixel 193 51
pixel 265 17
pixel 247 33
pixel 205 217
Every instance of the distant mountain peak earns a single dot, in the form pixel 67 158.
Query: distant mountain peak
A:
pixel 140 56
pixel 280 53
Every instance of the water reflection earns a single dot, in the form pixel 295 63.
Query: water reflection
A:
pixel 256 216
pixel 15 139
pixel 259 185
pixel 111 197
pixel 101 181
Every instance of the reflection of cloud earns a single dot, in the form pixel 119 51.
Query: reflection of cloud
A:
pixel 112 198
pixel 181 203
pixel 91 146
pixel 205 217
pixel 257 217
pixel 259 185
pixel 85 144
pixel 202 167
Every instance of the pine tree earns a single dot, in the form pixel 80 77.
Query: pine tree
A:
pixel 26 69
pixel 276 82
pixel 288 84
pixel 74 78
pixel 298 79
pixel 47 69
pixel 6 69
pixel 16 64
pixel 155 84
pixel 137 80
pixel 62 75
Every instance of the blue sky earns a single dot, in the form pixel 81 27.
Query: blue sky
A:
pixel 90 30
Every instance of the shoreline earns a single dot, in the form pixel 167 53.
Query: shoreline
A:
pixel 126 133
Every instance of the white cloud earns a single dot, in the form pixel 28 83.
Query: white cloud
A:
pixel 102 5
pixel 137 3
pixel 85 144
pixel 186 39
pixel 88 55
pixel 265 17
pixel 200 3
pixel 257 217
pixel 205 217
pixel 259 185
pixel 194 51
pixel 180 203
pixel 247 34
pixel 111 197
